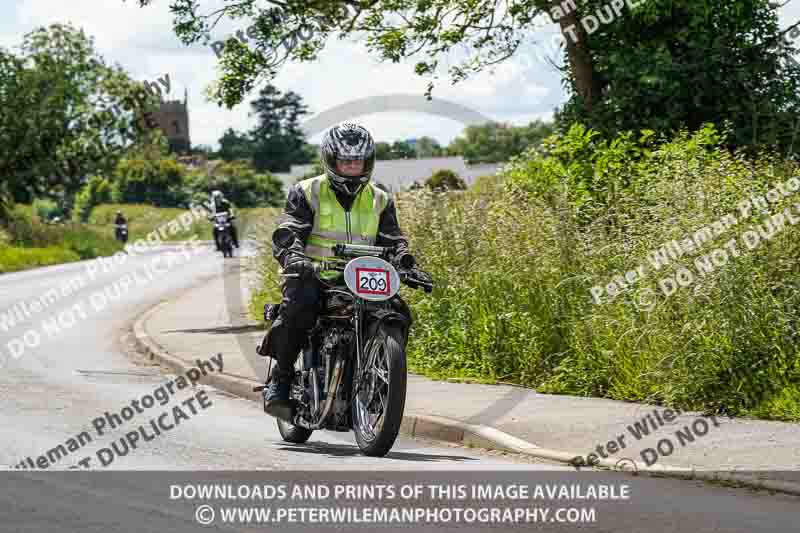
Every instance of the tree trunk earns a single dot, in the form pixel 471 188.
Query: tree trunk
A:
pixel 587 83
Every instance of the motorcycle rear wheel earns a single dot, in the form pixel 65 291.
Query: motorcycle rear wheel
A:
pixel 378 405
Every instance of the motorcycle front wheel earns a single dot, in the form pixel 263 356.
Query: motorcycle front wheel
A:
pixel 379 399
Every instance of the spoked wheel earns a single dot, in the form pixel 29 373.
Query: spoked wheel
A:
pixel 290 432
pixel 380 398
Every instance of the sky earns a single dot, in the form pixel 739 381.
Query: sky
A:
pixel 142 41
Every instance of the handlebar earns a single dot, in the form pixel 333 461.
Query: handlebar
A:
pixel 411 277
pixel 362 250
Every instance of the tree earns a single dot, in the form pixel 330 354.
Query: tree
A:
pixel 427 147
pixel 66 114
pixel 383 151
pixel 445 180
pixel 495 142
pixel 234 145
pixel 689 62
pixel 278 138
pixel 402 150
pixel 96 191
pixel 311 152
pixel 240 183
pixel 156 181
pixel 637 64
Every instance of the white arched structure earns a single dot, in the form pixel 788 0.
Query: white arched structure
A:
pixel 393 102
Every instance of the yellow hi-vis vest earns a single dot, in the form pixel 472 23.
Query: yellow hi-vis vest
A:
pixel 333 225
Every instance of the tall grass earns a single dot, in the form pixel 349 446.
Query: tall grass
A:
pixel 13 258
pixel 26 230
pixel 514 265
pixel 144 218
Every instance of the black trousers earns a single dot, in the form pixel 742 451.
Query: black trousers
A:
pixel 302 302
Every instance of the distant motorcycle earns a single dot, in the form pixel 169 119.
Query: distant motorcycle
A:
pixel 121 232
pixel 223 227
pixel 352 375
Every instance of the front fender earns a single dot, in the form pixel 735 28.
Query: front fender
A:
pixel 388 317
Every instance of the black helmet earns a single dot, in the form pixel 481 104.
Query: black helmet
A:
pixel 347 141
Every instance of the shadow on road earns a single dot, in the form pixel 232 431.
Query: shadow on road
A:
pixel 224 330
pixel 343 450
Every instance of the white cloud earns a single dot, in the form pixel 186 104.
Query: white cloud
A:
pixel 143 42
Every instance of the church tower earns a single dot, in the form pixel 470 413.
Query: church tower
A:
pixel 173 119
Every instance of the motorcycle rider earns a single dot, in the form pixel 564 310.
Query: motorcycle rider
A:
pixel 341 205
pixel 119 221
pixel 219 205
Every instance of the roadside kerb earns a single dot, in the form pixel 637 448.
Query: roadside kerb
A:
pixel 454 431
pixel 146 346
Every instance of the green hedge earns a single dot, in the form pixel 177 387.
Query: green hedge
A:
pixel 514 266
pixel 14 258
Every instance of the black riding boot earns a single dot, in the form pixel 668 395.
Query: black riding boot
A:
pixel 287 336
pixel 277 400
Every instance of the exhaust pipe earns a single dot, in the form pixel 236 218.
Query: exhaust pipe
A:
pixel 336 379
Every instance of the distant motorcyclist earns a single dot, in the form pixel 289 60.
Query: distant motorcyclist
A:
pixel 341 205
pixel 221 205
pixel 121 227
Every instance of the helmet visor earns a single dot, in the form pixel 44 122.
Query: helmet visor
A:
pixel 350 167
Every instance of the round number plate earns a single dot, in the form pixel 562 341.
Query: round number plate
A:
pixel 371 278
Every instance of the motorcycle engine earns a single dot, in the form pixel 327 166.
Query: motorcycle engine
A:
pixel 337 344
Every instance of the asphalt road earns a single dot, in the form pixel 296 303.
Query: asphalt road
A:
pixel 65 375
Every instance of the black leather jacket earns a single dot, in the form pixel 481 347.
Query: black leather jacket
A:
pixel 299 217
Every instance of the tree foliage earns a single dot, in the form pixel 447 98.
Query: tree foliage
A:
pixel 96 191
pixel 672 64
pixel 423 147
pixel 66 114
pixel 277 141
pixel 278 138
pixel 240 183
pixel 159 182
pixel 428 147
pixel 445 180
pixel 234 145
pixel 657 64
pixel 496 142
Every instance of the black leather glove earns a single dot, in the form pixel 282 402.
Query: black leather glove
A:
pixel 297 264
pixel 422 275
pixel 405 260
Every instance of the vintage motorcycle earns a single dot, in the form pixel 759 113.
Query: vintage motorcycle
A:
pixel 352 373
